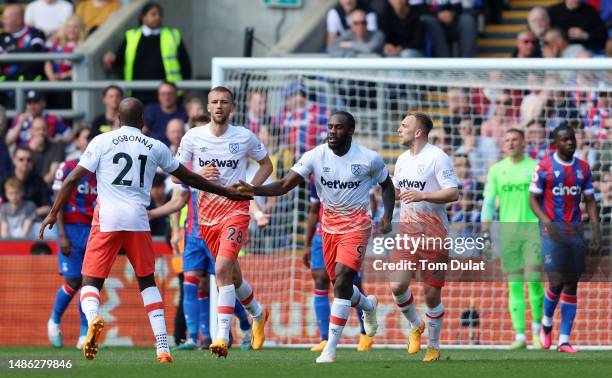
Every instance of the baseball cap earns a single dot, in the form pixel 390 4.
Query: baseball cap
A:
pixel 34 96
pixel 294 88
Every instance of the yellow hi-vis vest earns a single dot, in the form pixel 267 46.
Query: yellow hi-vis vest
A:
pixel 169 41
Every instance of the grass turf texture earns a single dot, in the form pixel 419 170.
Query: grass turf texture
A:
pixel 140 362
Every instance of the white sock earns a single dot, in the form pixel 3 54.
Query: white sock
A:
pixel 247 299
pixel 520 337
pixel 154 306
pixel 360 300
pixel 546 321
pixel 405 302
pixel 90 302
pixel 563 339
pixel 340 310
pixel 535 328
pixel 435 316
pixel 225 309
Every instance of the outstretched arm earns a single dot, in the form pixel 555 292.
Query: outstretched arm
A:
pixel 63 194
pixel 277 188
pixel 196 181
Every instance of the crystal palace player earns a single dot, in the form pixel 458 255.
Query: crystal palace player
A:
pixel 343 172
pixel 556 190
pixel 425 181
pixel 125 161
pixel 73 224
pixel 224 223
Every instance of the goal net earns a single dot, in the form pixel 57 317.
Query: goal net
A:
pixel 287 103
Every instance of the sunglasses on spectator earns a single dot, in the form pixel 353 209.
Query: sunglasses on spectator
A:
pixel 24 159
pixel 530 41
pixel 359 22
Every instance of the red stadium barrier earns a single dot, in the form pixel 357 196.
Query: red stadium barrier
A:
pixel 29 283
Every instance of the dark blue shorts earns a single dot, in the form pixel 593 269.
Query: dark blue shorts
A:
pixel 566 255
pixel 77 233
pixel 196 256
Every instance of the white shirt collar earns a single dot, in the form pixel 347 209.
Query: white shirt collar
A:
pixel 147 31
pixel 561 161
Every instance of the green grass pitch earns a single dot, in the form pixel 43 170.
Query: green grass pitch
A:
pixel 140 362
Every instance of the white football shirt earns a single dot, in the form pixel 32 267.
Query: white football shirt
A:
pixel 229 153
pixel 125 161
pixel 343 185
pixel 428 171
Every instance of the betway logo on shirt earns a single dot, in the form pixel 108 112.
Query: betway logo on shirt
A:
pixel 562 190
pixel 229 163
pixel 87 189
pixel 420 185
pixel 337 184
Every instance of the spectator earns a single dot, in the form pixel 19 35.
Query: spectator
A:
pixel 463 170
pixel 358 39
pixel 151 52
pixel 69 37
pixel 16 215
pixel 174 133
pixel 95 12
pixel 535 140
pixel 556 45
pixel 194 107
pixel 5 159
pixel 302 121
pixel 46 154
pixel 446 22
pixel 480 150
pixel 111 97
pixel 527 46
pixel 157 116
pixel 584 150
pixel 502 120
pixel 35 106
pixel 18 38
pixel 159 226
pixel 580 22
pixel 538 22
pixel 338 19
pixel 597 117
pixel 467 208
pixel 257 111
pixel 459 108
pixel 558 108
pixel 34 187
pixel 533 103
pixel 404 31
pixel 48 15
pixel 81 138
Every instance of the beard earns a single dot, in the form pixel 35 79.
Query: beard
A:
pixel 220 119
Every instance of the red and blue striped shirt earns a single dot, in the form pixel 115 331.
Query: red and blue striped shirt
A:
pixel 561 185
pixel 82 202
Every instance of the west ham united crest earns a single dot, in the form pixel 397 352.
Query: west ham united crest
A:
pixel 356 169
pixel 421 169
pixel 234 148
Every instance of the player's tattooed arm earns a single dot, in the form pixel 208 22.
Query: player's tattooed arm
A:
pixel 277 188
pixel 62 197
pixel 591 207
pixel 388 196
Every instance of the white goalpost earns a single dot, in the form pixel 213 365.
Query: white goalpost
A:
pixel 287 103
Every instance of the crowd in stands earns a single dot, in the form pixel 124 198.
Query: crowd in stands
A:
pixel 37 141
pixel 446 28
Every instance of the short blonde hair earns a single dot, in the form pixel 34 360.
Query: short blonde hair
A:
pixel 13 183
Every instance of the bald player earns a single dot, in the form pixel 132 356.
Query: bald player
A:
pixel 125 161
